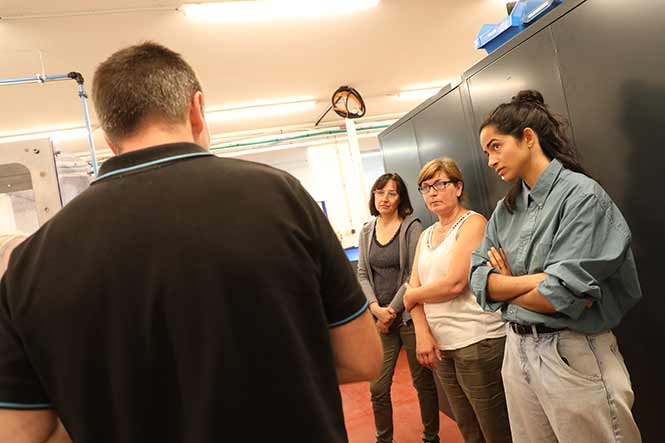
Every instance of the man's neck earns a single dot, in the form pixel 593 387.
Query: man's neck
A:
pixel 154 136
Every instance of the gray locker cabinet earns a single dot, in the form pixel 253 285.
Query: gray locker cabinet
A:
pixel 531 65
pixel 400 154
pixel 612 67
pixel 442 131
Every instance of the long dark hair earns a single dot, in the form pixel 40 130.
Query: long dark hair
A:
pixel 528 110
pixel 404 207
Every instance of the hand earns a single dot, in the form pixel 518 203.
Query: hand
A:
pixel 383 328
pixel 427 351
pixel 384 315
pixel 408 301
pixel 498 261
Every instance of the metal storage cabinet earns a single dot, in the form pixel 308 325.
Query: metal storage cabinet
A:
pixel 400 154
pixel 613 71
pixel 443 131
pixel 531 65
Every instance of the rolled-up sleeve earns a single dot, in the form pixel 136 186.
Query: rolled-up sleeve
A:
pixel 590 245
pixel 479 272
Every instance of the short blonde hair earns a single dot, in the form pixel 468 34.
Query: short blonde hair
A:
pixel 445 165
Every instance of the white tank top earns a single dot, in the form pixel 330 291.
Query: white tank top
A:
pixel 459 322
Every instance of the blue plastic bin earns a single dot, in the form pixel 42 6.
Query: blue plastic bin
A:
pixel 491 37
pixel 534 9
pixel 523 14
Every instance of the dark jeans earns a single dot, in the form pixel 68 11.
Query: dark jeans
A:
pixel 423 380
pixel 471 379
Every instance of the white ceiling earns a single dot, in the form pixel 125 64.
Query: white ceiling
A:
pixel 377 51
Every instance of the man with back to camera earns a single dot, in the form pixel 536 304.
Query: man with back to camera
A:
pixel 182 297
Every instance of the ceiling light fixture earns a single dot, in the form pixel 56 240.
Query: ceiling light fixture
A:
pixel 262 109
pixel 417 94
pixel 243 11
pixel 57 135
pixel 425 90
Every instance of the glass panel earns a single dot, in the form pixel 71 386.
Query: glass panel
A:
pixel 18 211
pixel 25 211
pixel 74 176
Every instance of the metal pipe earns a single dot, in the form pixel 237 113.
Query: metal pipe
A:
pixel 291 138
pixel 86 114
pixel 78 78
pixel 19 81
pixel 36 79
pixel 90 13
pixel 58 77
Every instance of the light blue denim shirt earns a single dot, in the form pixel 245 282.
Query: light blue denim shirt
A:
pixel 568 227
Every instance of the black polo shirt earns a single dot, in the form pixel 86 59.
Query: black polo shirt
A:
pixel 181 298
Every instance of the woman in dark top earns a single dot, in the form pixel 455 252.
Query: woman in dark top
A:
pixel 386 251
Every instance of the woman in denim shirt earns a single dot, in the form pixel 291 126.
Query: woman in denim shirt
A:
pixel 556 260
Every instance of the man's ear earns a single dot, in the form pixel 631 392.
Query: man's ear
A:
pixel 110 144
pixel 197 119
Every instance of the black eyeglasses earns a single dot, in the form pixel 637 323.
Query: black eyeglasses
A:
pixel 437 186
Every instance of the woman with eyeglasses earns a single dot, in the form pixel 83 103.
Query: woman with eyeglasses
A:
pixel 455 337
pixel 386 249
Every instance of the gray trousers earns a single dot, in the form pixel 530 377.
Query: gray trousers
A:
pixel 471 379
pixel 568 387
pixel 423 380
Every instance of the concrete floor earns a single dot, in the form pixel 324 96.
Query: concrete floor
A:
pixel 406 414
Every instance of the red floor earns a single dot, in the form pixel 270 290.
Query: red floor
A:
pixel 406 414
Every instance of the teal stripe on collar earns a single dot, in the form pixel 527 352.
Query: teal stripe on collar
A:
pixel 152 163
pixel 25 406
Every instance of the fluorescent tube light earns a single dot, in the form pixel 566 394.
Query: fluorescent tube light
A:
pixel 371 154
pixel 243 11
pixel 55 135
pixel 417 94
pixel 423 91
pixel 261 109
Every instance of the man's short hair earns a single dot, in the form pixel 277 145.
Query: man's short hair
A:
pixel 140 83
